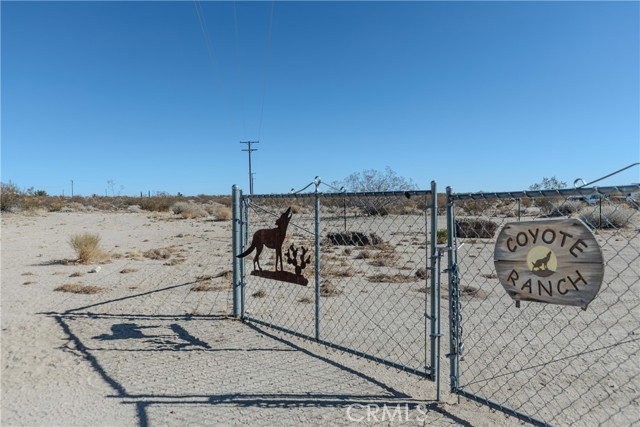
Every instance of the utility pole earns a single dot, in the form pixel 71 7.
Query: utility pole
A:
pixel 249 150
pixel 72 189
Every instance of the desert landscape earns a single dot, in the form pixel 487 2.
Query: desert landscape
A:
pixel 142 332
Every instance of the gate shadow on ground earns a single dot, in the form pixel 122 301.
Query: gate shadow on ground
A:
pixel 223 365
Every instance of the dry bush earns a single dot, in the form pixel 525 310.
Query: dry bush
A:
pixel 353 238
pixel 608 217
pixel 476 206
pixel 78 289
pixel 156 204
pixel 9 196
pixel 87 247
pixel 222 213
pixel 188 210
pixel 475 228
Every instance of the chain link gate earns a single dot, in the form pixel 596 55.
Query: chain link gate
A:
pixel 546 363
pixel 358 271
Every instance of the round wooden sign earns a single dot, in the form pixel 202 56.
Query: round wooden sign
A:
pixel 556 261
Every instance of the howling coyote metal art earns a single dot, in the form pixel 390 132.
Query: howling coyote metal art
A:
pixel 271 238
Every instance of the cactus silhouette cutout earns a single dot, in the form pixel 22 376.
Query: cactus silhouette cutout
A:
pixel 292 258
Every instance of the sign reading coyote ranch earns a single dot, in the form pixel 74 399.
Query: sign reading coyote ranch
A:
pixel 557 261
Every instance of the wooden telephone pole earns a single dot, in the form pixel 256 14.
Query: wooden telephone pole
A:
pixel 249 150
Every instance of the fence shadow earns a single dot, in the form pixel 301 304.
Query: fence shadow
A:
pixel 165 363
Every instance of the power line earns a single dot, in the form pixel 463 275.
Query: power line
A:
pixel 266 66
pixel 249 150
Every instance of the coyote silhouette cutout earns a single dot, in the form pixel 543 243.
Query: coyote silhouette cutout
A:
pixel 271 238
pixel 538 264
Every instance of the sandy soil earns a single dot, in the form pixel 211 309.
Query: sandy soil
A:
pixel 150 349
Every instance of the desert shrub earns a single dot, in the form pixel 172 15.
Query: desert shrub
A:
pixel 9 196
pixel 156 203
pixel 354 238
pixel 557 206
pixel 188 210
pixel 87 247
pixel 476 206
pixel 442 237
pixel 475 228
pixel 607 217
pixel 222 213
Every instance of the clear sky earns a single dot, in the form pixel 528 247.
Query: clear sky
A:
pixel 156 96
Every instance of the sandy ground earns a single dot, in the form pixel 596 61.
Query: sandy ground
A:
pixel 149 349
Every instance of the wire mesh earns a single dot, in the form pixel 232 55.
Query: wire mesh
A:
pixel 552 363
pixel 372 273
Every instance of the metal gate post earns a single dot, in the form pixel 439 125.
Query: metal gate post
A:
pixel 317 263
pixel 237 242
pixel 435 291
pixel 455 332
pixel 244 237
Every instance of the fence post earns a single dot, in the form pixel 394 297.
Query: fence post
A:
pixel 237 242
pixel 317 263
pixel 454 293
pixel 435 291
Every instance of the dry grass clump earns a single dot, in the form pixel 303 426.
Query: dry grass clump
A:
pixel 390 278
pixel 306 300
pixel 128 270
pixel 189 210
pixel 383 259
pixel 135 254
pixel 328 271
pixel 78 289
pixel 259 294
pixel 423 273
pixel 208 287
pixel 159 253
pixel 227 274
pixel 76 274
pixel 328 289
pixel 87 247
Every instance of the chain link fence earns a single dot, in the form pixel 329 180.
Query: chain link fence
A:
pixel 356 272
pixel 546 363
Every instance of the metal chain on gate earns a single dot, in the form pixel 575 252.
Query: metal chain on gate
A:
pixel 457 345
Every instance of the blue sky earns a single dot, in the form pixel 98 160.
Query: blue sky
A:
pixel 156 96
